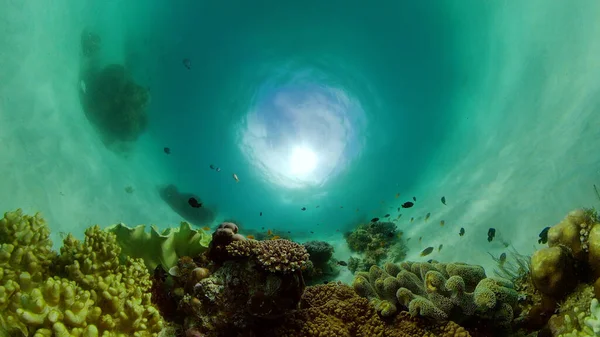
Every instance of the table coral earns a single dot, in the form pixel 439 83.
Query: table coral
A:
pixel 436 290
pixel 280 255
pixel 87 291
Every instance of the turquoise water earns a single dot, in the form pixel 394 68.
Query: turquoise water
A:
pixel 331 104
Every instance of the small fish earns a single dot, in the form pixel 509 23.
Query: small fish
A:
pixel 412 219
pixel 218 169
pixel 341 206
pixel 398 209
pixel 187 63
pixel 129 189
pixel 397 195
pixel 414 198
pixel 311 232
pixel 262 228
pixel 420 239
pixel 427 251
pixel 251 237
pixel 289 232
pixel 502 259
pixel 444 200
pixel 461 232
pixel 317 206
pixel 399 216
pixel 205 228
pixel 303 209
pixel 427 216
pixel 276 237
pixel 386 216
pixel 237 180
pixel 544 236
pixel 342 263
pixel 167 150
pixel 374 219
pixel 269 232
pixel 407 204
pixel 440 247
pixel 212 167
pixel 325 282
pixel 260 214
pixel 491 234
pixel 442 223
pixel 194 202
pixel 408 239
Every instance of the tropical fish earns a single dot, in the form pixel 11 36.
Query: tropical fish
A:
pixel 427 216
pixel 218 169
pixel 342 263
pixel 276 237
pixel 212 167
pixel 444 200
pixel 129 189
pixel 502 259
pixel 407 204
pixel 398 209
pixel 386 216
pixel 491 234
pixel 237 180
pixel 440 247
pixel 544 236
pixel 206 228
pixel 414 198
pixel 442 223
pixel 374 219
pixel 399 215
pixel 194 202
pixel 187 63
pixel 303 209
pixel 420 238
pixel 167 150
pixel 251 237
pixel 412 219
pixel 461 232
pixel 427 251
pixel 269 232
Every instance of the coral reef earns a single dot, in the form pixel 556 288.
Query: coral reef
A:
pixel 321 265
pixel 178 201
pixel 163 248
pixel 85 291
pixel 115 104
pixel 439 291
pixel 377 241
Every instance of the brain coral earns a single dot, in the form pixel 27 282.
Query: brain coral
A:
pixel 87 291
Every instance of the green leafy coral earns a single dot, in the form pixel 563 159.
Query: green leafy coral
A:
pixel 86 291
pixel 163 248
pixel 437 290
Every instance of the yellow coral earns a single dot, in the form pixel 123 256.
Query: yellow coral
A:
pixel 101 295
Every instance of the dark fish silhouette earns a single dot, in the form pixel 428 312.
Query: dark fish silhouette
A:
pixel 167 150
pixel 427 251
pixel 194 202
pixel 414 198
pixel 260 213
pixel 462 231
pixel 187 63
pixel 502 259
pixel 212 167
pixel 444 200
pixel 303 209
pixel 218 169
pixel 386 216
pixel 544 236
pixel 342 263
pixel 374 219
pixel 440 247
pixel 491 234
pixel 407 204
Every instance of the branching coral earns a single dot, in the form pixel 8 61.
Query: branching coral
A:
pixel 100 295
pixel 439 291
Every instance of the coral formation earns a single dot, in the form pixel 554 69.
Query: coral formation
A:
pixel 115 104
pixel 85 291
pixel 163 248
pixel 377 241
pixel 321 265
pixel 178 201
pixel 438 291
